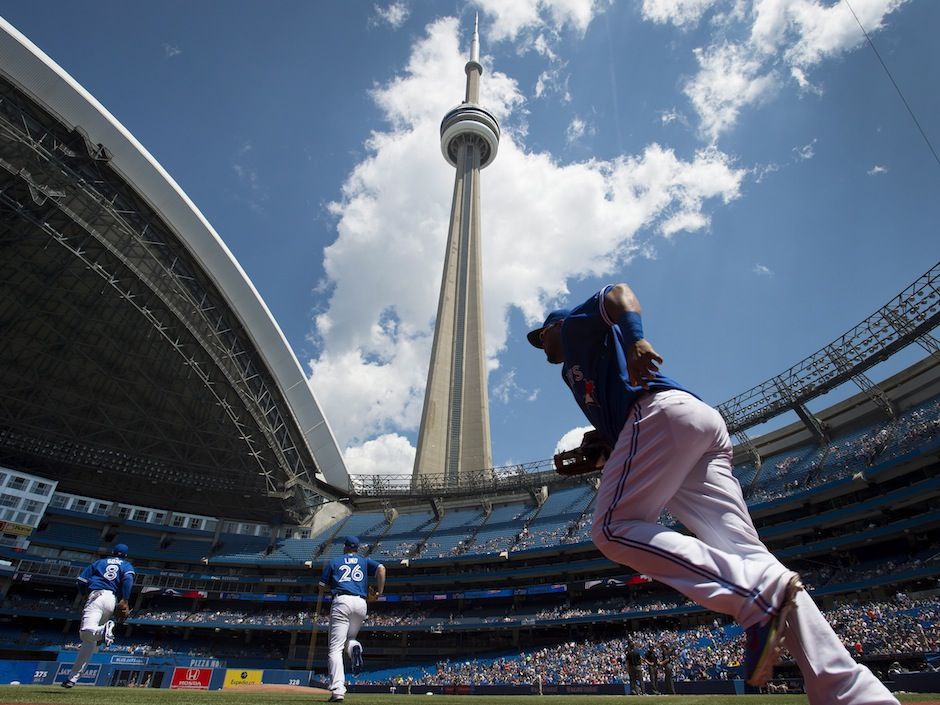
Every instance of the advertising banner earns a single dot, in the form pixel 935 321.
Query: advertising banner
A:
pixel 280 676
pixel 89 674
pixel 622 581
pixel 9 527
pixel 191 678
pixel 235 678
pixel 129 660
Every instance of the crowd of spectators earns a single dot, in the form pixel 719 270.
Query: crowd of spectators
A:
pixel 402 549
pixel 38 603
pixel 901 627
pixel 780 477
pixel 612 606
pixel 897 627
pixel 847 456
pixel 269 617
pixel 850 571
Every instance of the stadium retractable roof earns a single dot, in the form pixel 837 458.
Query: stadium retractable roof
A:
pixel 138 362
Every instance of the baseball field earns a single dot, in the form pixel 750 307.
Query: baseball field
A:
pixel 54 695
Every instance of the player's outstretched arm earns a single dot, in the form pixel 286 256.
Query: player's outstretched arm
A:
pixel 622 306
pixel 619 300
pixel 380 579
pixel 122 610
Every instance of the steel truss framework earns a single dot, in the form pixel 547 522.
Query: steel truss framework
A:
pixel 122 366
pixel 906 319
pixel 509 479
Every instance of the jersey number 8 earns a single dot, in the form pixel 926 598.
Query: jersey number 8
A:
pixel 111 572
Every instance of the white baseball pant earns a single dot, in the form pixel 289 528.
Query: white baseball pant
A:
pixel 346 616
pixel 674 451
pixel 99 606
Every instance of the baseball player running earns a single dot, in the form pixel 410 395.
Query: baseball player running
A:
pixel 103 580
pixel 347 578
pixel 670 449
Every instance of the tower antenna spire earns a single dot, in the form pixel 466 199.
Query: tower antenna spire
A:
pixel 475 42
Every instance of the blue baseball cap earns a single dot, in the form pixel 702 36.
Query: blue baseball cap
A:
pixel 120 549
pixel 535 336
pixel 352 541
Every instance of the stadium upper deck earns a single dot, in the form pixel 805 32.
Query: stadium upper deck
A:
pixel 138 361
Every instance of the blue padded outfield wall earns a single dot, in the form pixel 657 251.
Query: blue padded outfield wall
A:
pixel 168 671
pixel 216 674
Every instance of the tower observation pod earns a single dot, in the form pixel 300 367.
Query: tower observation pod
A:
pixel 454 437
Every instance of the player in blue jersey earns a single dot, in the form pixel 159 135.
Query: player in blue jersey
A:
pixel 670 449
pixel 347 579
pixel 108 583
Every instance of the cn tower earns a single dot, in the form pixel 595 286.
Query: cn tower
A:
pixel 454 438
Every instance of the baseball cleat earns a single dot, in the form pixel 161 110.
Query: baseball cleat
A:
pixel 68 683
pixel 763 642
pixel 335 699
pixel 356 653
pixel 109 632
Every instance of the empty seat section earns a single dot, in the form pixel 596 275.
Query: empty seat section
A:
pixel 61 534
pixel 237 548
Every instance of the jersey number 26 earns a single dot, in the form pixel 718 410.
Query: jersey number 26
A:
pixel 347 573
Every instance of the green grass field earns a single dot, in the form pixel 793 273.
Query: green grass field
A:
pixel 54 695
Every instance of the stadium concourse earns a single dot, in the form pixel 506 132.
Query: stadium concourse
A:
pixel 148 398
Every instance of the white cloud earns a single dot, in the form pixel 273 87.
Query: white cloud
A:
pixel 248 176
pixel 571 440
pixel 393 15
pixel 808 31
pixel 543 47
pixel 383 271
pixel 763 270
pixel 667 117
pixel 169 51
pixel 806 86
pixel 729 79
pixel 807 151
pixel 778 38
pixel 577 129
pixel 508 390
pixel 877 169
pixel 537 26
pixel 553 82
pixel 389 454
pixel 763 170
pixel 682 13
pixel 510 19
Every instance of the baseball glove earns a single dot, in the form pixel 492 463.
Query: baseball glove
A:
pixel 590 457
pixel 121 611
pixel 373 595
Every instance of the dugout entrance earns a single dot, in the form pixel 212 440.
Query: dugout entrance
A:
pixel 137 678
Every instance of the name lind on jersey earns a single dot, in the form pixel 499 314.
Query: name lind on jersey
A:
pixel 351 559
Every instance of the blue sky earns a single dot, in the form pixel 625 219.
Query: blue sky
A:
pixel 746 165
